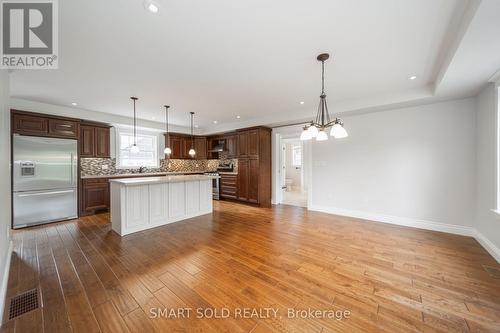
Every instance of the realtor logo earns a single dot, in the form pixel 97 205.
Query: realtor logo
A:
pixel 29 34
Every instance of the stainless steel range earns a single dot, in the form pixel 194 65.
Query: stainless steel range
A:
pixel 215 185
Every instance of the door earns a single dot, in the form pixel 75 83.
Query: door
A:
pixel 66 128
pixel 243 175
pixel 44 163
pixel 37 207
pixel 95 196
pixel 27 124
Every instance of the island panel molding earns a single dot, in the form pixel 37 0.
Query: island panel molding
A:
pixel 142 203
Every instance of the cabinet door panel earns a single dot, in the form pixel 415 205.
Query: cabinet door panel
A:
pixel 192 197
pixel 65 128
pixel 26 124
pixel 158 207
pixel 95 196
pixel 137 206
pixel 243 174
pixel 87 142
pixel 176 200
pixel 253 143
pixel 243 144
pixel 177 147
pixel 102 142
pixel 200 145
pixel 232 146
pixel 253 183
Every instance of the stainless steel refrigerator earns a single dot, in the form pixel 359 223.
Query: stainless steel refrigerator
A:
pixel 44 180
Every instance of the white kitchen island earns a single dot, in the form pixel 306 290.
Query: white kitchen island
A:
pixel 142 203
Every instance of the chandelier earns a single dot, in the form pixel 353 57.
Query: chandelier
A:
pixel 318 127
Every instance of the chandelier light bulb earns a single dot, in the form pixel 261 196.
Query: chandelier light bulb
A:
pixel 322 136
pixel 192 153
pixel 338 131
pixel 305 135
pixel 313 131
pixel 167 151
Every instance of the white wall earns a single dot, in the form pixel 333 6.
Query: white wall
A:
pixel 412 166
pixel 488 222
pixel 4 185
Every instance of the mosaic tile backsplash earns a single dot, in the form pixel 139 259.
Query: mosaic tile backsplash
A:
pixel 93 166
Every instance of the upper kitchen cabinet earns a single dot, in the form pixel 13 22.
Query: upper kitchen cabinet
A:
pixel 28 123
pixel 248 143
pixel 232 145
pixel 63 128
pixel 95 141
pixel 200 146
pixel 180 144
pixel 33 125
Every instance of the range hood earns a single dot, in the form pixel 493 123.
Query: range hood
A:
pixel 217 148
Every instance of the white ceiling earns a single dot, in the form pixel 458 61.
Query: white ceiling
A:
pixel 257 59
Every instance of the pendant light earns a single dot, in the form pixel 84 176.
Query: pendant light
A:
pixel 167 150
pixel 192 152
pixel 318 127
pixel 134 149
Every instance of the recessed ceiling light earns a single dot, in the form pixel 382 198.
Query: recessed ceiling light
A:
pixel 74 104
pixel 302 103
pixel 215 121
pixel 152 6
pixel 238 117
pixel 413 77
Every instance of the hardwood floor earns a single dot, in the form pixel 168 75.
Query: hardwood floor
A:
pixel 390 278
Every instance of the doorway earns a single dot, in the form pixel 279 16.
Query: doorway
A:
pixel 294 190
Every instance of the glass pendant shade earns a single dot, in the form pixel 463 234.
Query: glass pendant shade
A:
pixel 322 136
pixel 313 131
pixel 134 149
pixel 305 135
pixel 167 151
pixel 192 153
pixel 338 131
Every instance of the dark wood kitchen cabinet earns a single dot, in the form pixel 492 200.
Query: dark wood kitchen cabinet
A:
pixel 254 166
pixel 95 141
pixel 180 144
pixel 228 186
pixel 94 195
pixel 200 146
pixel 63 128
pixel 29 123
pixel 102 142
pixel 231 145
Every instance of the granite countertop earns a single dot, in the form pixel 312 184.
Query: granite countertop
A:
pixel 158 180
pixel 128 175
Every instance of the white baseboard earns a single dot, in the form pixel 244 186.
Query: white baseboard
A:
pixel 5 279
pixel 416 223
pixel 488 245
pixel 404 221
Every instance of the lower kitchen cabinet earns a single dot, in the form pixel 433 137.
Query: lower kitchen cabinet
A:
pixel 94 195
pixel 228 186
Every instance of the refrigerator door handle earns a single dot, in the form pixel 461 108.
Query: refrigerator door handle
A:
pixel 44 193
pixel 72 170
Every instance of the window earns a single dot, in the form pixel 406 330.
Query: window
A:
pixel 296 156
pixel 147 155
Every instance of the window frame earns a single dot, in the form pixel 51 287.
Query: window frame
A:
pixel 294 149
pixel 129 132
